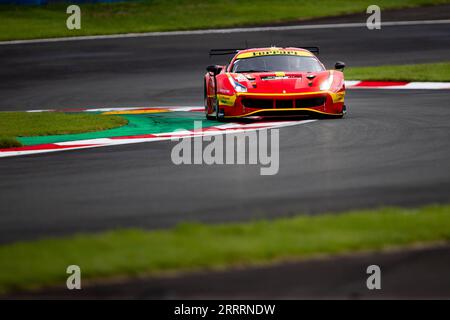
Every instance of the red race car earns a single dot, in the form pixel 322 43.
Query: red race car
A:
pixel 273 82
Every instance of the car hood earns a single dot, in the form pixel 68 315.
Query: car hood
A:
pixel 281 82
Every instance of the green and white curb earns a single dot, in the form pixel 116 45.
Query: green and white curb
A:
pixel 213 128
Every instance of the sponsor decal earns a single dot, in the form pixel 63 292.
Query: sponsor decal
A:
pixel 240 77
pixel 225 100
pixel 273 52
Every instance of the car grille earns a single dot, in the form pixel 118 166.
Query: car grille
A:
pixel 310 102
pixel 283 104
pixel 258 103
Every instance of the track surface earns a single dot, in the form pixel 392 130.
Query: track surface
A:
pixel 393 149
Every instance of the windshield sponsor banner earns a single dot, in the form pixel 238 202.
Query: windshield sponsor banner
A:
pixel 274 52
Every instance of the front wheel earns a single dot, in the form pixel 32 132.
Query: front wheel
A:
pixel 219 117
pixel 209 117
pixel 344 110
pixel 205 97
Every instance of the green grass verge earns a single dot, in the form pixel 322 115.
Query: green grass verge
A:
pixel 194 246
pixel 410 72
pixel 27 22
pixel 29 124
pixel 8 142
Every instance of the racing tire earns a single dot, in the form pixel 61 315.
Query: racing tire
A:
pixel 219 117
pixel 344 111
pixel 205 97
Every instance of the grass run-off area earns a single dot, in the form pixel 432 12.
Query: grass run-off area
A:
pixel 27 22
pixel 413 72
pixel 27 124
pixel 197 246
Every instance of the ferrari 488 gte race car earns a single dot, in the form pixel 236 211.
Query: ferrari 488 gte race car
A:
pixel 273 82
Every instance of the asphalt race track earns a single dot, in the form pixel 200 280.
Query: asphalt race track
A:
pixel 392 149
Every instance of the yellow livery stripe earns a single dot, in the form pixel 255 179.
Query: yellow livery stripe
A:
pixel 273 52
pixel 337 97
pixel 280 94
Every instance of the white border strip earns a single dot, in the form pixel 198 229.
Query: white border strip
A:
pixel 410 85
pixel 226 31
pixel 422 85
pixel 106 109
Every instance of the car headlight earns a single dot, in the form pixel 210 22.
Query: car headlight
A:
pixel 326 85
pixel 237 86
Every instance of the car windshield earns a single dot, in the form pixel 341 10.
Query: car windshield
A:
pixel 287 63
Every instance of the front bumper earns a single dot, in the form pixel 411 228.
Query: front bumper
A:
pixel 243 105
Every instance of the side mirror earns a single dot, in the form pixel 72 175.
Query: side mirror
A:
pixel 339 65
pixel 214 69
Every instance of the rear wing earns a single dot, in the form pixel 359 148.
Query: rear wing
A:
pixel 314 50
pixel 223 52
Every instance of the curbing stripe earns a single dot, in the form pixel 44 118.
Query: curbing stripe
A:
pixel 229 128
pixel 358 84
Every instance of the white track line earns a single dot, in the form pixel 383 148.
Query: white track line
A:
pixel 422 85
pixel 411 85
pixel 230 30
